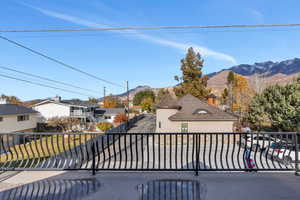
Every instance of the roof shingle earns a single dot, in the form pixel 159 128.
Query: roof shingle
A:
pixel 14 109
pixel 191 108
pixel 168 102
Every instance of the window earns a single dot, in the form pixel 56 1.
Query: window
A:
pixel 1 119
pixel 184 128
pixel 201 111
pixel 159 124
pixel 23 118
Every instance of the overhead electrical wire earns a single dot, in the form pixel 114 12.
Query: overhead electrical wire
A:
pixel 59 62
pixel 154 28
pixel 43 85
pixel 48 79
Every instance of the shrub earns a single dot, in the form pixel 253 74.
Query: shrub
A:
pixel 104 126
pixel 120 118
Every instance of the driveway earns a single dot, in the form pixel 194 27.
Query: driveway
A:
pixel 145 125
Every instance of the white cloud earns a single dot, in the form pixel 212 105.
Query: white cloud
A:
pixel 204 51
pixel 259 17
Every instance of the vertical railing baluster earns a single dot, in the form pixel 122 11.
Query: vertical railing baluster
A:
pixel 153 149
pixel 148 151
pixel 159 150
pixel 297 170
pixel 238 154
pixel 210 149
pixel 125 149
pixel 187 149
pixel 114 150
pixel 108 148
pixel 136 152
pixel 93 158
pixel 103 152
pixel 165 153
pixel 131 152
pixel 233 150
pixel 216 150
pixel 197 154
pixel 193 152
pixel 204 152
pixel 227 151
pixel 176 144
pixel 142 149
pixel 170 149
pixel 120 150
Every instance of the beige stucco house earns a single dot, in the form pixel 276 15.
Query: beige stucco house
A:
pixel 189 114
pixel 17 118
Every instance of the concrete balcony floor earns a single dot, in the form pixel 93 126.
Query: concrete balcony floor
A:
pixel 127 185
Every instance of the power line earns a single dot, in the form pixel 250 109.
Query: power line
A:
pixel 44 85
pixel 154 28
pixel 48 79
pixel 59 62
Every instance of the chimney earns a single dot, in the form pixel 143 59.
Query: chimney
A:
pixel 211 99
pixel 3 100
pixel 57 98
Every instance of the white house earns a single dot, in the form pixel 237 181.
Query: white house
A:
pixel 57 107
pixel 108 114
pixel 17 118
pixel 189 114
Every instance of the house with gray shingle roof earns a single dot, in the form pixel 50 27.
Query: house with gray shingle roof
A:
pixel 57 107
pixel 17 118
pixel 108 114
pixel 189 114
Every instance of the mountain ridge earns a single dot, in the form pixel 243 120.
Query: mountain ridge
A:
pixel 281 72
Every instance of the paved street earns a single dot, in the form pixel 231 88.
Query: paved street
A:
pixel 145 125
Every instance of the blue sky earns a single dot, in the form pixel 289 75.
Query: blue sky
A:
pixel 142 57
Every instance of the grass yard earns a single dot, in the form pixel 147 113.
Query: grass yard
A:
pixel 43 147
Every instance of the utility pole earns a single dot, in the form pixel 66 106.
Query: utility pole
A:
pixel 127 110
pixel 104 95
pixel 104 92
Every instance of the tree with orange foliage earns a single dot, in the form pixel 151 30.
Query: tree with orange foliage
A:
pixel 120 118
pixel 12 99
pixel 242 94
pixel 111 102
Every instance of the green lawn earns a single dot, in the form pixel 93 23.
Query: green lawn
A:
pixel 42 148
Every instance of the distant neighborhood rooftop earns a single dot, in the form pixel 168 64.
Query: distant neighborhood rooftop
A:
pixel 72 102
pixel 109 111
pixel 14 109
pixel 168 102
pixel 80 103
pixel 191 108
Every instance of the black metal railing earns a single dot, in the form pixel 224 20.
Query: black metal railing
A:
pixel 62 189
pixel 150 151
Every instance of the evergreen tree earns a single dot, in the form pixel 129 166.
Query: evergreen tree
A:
pixel 278 106
pixel 230 84
pixel 140 96
pixel 161 93
pixel 192 80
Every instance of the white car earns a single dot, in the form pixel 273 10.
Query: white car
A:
pixel 259 142
pixel 287 154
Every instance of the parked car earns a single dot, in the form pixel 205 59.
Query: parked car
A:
pixel 287 153
pixel 274 150
pixel 258 142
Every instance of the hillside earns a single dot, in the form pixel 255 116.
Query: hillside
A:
pixel 261 75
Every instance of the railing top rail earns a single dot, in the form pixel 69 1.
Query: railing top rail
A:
pixel 145 133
